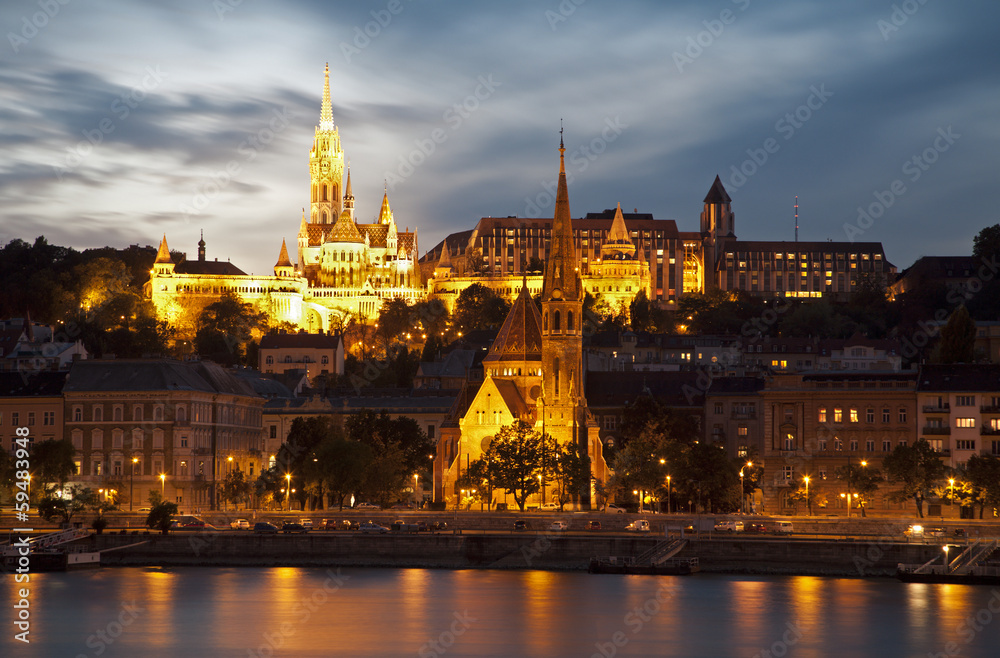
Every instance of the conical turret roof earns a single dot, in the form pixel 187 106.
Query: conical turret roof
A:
pixel 717 193
pixel 520 337
pixel 283 260
pixel 562 280
pixel 163 253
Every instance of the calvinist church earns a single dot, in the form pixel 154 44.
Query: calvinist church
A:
pixel 533 371
pixel 343 267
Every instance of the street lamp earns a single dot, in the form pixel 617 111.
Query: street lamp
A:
pixel 805 478
pixel 743 495
pixel 668 494
pixel 541 486
pixel 163 483
pixel 416 483
pixel 131 486
pixel 288 478
pixel 951 491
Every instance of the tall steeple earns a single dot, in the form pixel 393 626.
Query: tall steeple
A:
pixel 284 265
pixel 562 278
pixel 326 164
pixel 562 315
pixel 201 247
pixel 349 195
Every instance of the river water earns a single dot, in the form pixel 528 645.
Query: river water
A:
pixel 208 612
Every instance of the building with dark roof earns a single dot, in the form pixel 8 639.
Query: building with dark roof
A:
pixel 143 425
pixel 959 410
pixel 32 400
pixel 317 354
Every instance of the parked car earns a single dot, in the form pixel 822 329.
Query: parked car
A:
pixel 558 526
pixel 197 524
pixel 593 525
pixel 783 528
pixel 960 532
pixel 915 530
pixel 935 532
pixel 240 524
pixel 616 508
pixel 521 525
pixel 639 525
pixel 366 506
pixel 370 527
pixel 755 528
pixel 404 526
pixel 729 526
pixel 290 527
pixel 264 528
pixel 437 526
pixel 548 507
pixel 307 523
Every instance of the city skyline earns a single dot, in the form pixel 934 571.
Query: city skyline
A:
pixel 126 133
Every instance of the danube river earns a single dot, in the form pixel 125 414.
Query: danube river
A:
pixel 219 612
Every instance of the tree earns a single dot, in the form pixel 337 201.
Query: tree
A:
pixel 862 480
pixel 572 473
pixel 958 338
pixel 226 328
pixel 394 320
pixel 342 465
pixel 236 487
pixel 917 468
pixel 983 475
pixel 479 307
pixel 160 516
pixel 986 244
pixel 53 462
pixel 707 473
pixel 517 454
pixel 811 495
pixel 56 506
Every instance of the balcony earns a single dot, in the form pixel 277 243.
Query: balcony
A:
pixel 990 409
pixel 936 408
pixel 933 430
pixel 989 431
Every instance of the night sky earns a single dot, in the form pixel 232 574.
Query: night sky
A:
pixel 120 119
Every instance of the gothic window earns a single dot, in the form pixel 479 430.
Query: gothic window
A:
pixel 555 374
pixel 555 321
pixel 569 321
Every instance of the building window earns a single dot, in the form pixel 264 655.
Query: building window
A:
pixel 854 445
pixel 870 415
pixel 610 422
pixel 742 430
pixel 272 432
pixel 31 418
pixel 854 415
pixel 324 360
pixel 742 451
pixel 838 445
pixel 719 408
pixel 965 422
pixel 269 360
pixel 838 415
pixel 886 415
pixel 787 473
pixel 430 431
pixel 822 414
pixel 902 414
pixel 98 414
pixel 137 413
pixel 48 418
pixel 965 400
pixel 789 441
pixel 965 444
pixel 886 445
pixel 77 414
pixel 117 415
pixel 157 413
pixel 822 445
pixel 870 445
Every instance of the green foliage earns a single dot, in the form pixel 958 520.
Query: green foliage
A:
pixel 236 488
pixel 862 481
pixel 983 475
pixel 226 329
pixel 718 312
pixel 160 516
pixel 478 307
pixel 341 466
pixel 987 243
pixel 514 460
pixel 917 469
pixel 395 320
pixel 52 461
pixel 57 507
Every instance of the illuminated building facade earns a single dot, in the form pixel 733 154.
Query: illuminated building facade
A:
pixel 533 371
pixel 343 267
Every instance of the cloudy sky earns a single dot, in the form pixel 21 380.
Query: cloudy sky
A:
pixel 122 121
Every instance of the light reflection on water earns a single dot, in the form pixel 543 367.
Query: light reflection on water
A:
pixel 387 612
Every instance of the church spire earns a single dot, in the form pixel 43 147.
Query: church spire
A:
pixel 326 113
pixel 283 260
pixel 562 279
pixel 163 253
pixel 385 214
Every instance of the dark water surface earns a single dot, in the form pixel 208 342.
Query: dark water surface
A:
pixel 195 612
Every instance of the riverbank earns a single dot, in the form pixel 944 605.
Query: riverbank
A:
pixel 500 551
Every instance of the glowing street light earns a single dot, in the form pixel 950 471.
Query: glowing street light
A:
pixel 288 478
pixel 163 484
pixel 743 496
pixel 668 494
pixel 951 492
pixel 805 478
pixel 131 486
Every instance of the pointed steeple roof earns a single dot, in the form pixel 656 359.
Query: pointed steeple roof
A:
pixel 445 259
pixel 618 246
pixel 326 112
pixel 283 260
pixel 348 193
pixel 618 232
pixel 717 193
pixel 520 337
pixel 385 214
pixel 562 280
pixel 302 225
pixel 163 254
pixel 345 230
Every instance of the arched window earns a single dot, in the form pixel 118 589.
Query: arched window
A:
pixel 555 321
pixel 98 413
pixel 569 321
pixel 545 322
